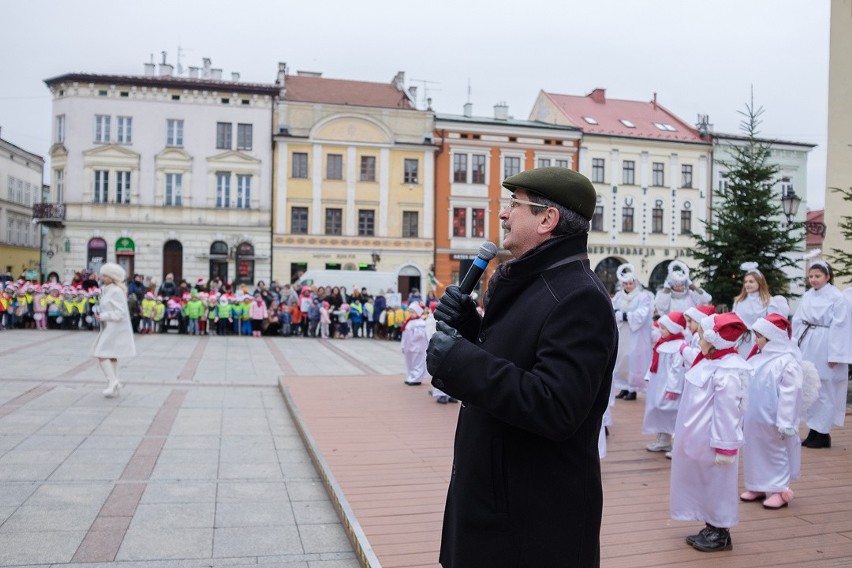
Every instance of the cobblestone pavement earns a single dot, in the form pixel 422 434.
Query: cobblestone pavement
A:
pixel 196 463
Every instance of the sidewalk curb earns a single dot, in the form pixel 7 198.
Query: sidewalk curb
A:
pixel 363 549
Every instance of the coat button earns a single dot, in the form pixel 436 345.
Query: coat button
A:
pixel 438 383
pixel 482 337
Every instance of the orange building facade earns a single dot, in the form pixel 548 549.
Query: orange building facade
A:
pixel 475 154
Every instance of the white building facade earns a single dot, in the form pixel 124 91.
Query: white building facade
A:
pixel 21 178
pixel 651 172
pixel 161 174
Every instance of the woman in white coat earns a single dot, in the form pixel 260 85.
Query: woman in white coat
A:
pixel 708 435
pixel 634 310
pixel 115 338
pixel 756 301
pixel 679 293
pixel 772 455
pixel 823 331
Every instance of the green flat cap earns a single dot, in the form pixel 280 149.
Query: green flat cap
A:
pixel 566 187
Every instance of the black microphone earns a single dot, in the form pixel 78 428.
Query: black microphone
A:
pixel 487 251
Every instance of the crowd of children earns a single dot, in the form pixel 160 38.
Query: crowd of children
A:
pixel 718 385
pixel 305 311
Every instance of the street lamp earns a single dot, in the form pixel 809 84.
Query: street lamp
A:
pixel 790 203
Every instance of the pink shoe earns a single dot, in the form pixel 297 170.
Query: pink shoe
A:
pixel 778 500
pixel 750 496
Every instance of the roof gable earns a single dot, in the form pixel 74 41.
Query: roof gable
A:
pixel 310 89
pixel 596 114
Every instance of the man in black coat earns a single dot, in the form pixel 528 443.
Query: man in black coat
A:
pixel 534 376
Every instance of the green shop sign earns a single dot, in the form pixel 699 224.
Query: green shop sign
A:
pixel 125 245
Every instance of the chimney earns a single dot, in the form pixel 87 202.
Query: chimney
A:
pixel 235 77
pixel 205 74
pixel 655 101
pixel 501 111
pixel 150 69
pixel 282 73
pixel 216 74
pixel 399 80
pixel 468 109
pixel 166 69
pixel 598 95
pixel 412 92
pixel 194 72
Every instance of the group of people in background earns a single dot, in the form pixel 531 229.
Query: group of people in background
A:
pixel 212 308
pixel 718 385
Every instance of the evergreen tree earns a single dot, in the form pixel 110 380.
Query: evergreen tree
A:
pixel 744 223
pixel 841 260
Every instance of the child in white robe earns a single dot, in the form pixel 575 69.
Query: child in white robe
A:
pixel 708 435
pixel 414 344
pixel 772 455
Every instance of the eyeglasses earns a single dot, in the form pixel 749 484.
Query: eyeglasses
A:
pixel 514 202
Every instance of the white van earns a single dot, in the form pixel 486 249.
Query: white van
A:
pixel 374 282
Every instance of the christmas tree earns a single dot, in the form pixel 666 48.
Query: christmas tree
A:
pixel 744 221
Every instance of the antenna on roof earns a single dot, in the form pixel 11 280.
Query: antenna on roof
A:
pixel 180 51
pixel 426 89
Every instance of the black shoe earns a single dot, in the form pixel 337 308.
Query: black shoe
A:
pixel 622 394
pixel 451 399
pixel 810 437
pixel 443 399
pixel 819 440
pixel 606 430
pixel 630 396
pixel 714 540
pixel 691 538
pixel 412 384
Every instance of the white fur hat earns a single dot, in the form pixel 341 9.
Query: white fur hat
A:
pixel 678 273
pixel 114 271
pixel 626 273
pixel 416 308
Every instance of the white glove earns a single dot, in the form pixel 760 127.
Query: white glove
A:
pixel 618 317
pixel 787 432
pixel 724 459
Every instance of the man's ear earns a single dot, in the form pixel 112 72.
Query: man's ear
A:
pixel 548 221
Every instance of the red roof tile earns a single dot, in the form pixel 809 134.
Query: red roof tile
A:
pixel 312 89
pixel 608 113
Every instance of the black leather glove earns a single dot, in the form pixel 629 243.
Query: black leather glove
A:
pixel 444 338
pixel 459 311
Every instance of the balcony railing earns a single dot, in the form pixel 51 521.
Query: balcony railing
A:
pixel 50 213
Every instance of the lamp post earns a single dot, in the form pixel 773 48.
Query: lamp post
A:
pixel 790 204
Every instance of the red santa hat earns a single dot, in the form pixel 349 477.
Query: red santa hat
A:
pixel 674 322
pixel 723 330
pixel 698 313
pixel 774 327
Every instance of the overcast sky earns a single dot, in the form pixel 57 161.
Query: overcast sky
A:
pixel 698 56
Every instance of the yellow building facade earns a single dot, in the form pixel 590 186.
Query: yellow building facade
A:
pixel 353 182
pixel 839 165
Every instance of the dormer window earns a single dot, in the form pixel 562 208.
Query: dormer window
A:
pixel 590 120
pixel 627 123
pixel 665 127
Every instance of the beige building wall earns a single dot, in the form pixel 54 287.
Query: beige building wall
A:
pixel 389 136
pixel 839 164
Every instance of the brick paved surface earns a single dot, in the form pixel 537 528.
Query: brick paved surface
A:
pixel 197 463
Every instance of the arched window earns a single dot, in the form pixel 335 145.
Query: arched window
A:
pixel 96 253
pixel 173 259
pixel 244 257
pixel 658 276
pixel 219 260
pixel 606 272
